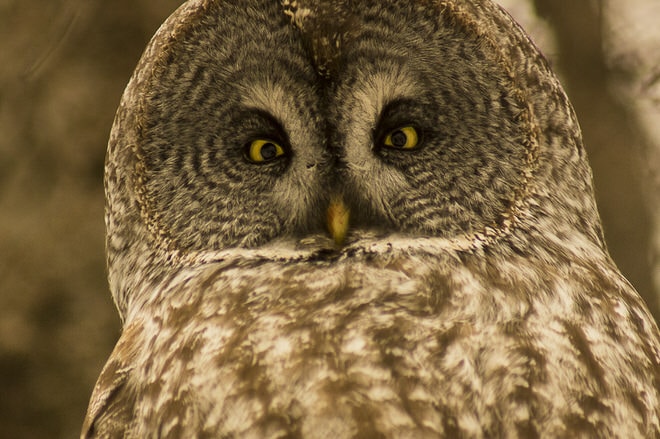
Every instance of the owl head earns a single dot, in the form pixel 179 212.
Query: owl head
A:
pixel 252 123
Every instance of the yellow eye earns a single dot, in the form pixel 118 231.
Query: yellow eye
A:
pixel 402 138
pixel 263 150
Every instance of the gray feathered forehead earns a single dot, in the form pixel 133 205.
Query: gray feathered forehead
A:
pixel 325 26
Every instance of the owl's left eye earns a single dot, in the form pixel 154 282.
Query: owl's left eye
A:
pixel 402 138
pixel 263 150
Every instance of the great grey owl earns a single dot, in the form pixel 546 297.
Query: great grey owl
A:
pixel 360 219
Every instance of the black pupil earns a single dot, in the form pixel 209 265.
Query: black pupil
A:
pixel 268 151
pixel 399 139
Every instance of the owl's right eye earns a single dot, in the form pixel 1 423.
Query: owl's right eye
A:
pixel 263 150
pixel 402 138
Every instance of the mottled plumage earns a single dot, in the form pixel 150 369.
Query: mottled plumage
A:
pixel 472 296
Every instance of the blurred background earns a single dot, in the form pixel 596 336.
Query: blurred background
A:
pixel 63 66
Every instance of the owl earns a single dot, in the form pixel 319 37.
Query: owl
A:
pixel 356 219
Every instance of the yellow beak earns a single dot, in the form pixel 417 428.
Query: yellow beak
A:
pixel 338 219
